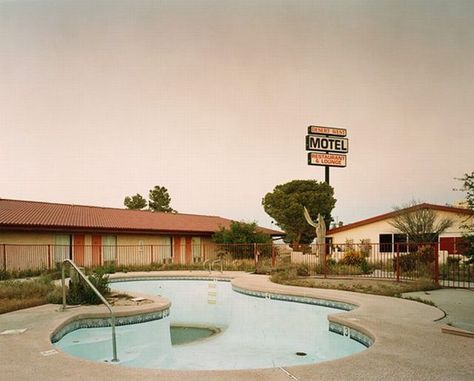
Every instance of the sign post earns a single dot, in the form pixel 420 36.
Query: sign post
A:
pixel 327 147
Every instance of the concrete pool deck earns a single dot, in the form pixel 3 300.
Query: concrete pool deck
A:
pixel 408 344
pixel 458 304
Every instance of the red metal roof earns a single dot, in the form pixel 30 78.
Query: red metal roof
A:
pixel 35 215
pixel 395 212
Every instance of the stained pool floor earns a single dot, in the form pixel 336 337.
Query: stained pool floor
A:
pixel 185 335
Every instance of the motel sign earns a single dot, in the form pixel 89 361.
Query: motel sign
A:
pixel 327 147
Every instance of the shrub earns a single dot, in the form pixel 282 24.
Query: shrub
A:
pixel 408 262
pixel 365 267
pixel 284 274
pixel 109 267
pixel 80 292
pixel 365 247
pixel 426 254
pixel 411 261
pixel 341 269
pixel 302 270
pixel 453 261
pixel 352 258
pixel 331 262
pixel 4 275
pixel 55 296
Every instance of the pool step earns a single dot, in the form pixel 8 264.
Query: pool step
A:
pixel 212 293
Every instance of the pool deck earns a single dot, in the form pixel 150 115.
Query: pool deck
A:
pixel 409 344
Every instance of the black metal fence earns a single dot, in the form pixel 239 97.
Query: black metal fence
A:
pixel 399 262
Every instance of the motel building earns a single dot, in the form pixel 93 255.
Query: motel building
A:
pixel 385 239
pixel 35 235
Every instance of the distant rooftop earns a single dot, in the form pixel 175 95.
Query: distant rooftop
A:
pixel 46 216
pixel 395 212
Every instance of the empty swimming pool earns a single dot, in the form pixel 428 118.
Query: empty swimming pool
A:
pixel 249 332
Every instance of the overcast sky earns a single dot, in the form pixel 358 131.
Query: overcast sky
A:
pixel 212 99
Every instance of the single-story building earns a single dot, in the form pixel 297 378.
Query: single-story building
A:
pixel 39 234
pixel 378 230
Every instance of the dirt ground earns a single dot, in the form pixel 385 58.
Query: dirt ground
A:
pixel 364 285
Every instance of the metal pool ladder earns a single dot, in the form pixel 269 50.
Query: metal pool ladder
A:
pixel 211 262
pixel 112 315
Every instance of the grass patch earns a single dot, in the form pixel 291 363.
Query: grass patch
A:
pixel 228 265
pixel 21 274
pixel 16 295
pixel 421 300
pixel 366 286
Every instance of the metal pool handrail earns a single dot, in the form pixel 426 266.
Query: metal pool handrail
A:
pixel 211 263
pixel 112 315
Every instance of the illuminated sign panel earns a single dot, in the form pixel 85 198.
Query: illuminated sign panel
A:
pixel 326 159
pixel 327 131
pixel 327 144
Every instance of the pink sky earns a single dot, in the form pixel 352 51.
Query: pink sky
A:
pixel 212 99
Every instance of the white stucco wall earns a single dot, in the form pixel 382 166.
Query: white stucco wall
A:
pixel 372 230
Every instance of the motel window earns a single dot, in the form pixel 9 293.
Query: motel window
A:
pixel 109 248
pixel 165 249
pixel 453 245
pixel 386 243
pixel 196 248
pixel 62 247
pixel 401 239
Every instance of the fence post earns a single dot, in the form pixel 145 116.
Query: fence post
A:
pixel 398 261
pixel 151 250
pixel 4 258
pixel 273 256
pixel 436 264
pixel 49 257
pixel 255 254
pixel 325 262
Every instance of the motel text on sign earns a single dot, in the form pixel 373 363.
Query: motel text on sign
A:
pixel 327 130
pixel 327 144
pixel 332 160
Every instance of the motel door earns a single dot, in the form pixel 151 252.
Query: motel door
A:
pixel 182 250
pixel 96 249
pixel 188 250
pixel 79 249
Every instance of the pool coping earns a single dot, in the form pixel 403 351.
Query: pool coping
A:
pixel 408 343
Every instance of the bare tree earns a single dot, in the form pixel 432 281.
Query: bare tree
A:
pixel 420 223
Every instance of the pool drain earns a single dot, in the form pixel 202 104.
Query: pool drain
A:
pixel 301 353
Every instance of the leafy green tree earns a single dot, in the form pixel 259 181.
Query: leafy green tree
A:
pixel 136 202
pixel 285 205
pixel 421 225
pixel 468 225
pixel 241 232
pixel 238 240
pixel 159 200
